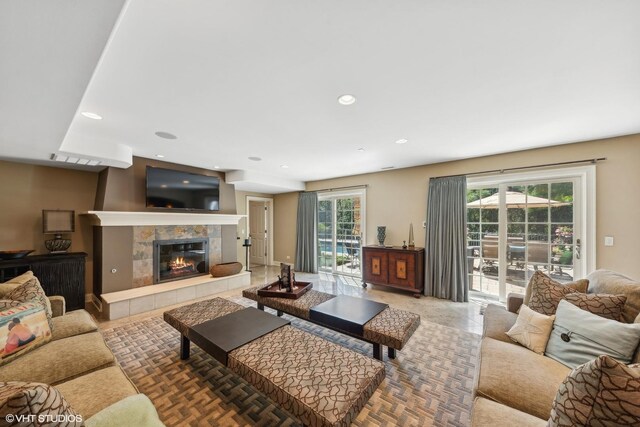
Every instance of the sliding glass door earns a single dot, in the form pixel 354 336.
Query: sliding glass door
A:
pixel 517 228
pixel 340 232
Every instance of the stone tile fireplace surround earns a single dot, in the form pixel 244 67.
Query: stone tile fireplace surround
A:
pixel 144 236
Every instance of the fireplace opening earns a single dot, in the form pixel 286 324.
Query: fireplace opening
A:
pixel 179 259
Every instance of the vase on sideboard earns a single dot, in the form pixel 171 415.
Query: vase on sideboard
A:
pixel 382 234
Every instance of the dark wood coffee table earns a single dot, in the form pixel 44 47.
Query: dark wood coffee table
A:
pixel 226 330
pixel 348 314
pixel 220 336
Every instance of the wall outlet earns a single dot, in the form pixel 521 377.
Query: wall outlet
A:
pixel 608 240
pixel 424 224
pixel 288 257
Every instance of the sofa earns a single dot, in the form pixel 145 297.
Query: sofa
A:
pixel 79 364
pixel 513 385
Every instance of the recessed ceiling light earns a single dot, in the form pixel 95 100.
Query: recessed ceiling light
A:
pixel 255 159
pixel 361 149
pixel 185 182
pixel 216 167
pixel 165 135
pixel 160 156
pixel 387 167
pixel 402 141
pixel 90 115
pixel 346 99
pixel 284 166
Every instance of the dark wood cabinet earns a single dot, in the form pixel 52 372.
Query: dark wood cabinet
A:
pixel 59 274
pixel 395 267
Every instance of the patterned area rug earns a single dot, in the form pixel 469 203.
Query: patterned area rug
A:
pixel 429 383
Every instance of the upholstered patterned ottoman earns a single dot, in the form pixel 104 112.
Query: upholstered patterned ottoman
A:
pixel 391 328
pixel 182 318
pixel 319 382
pixel 296 307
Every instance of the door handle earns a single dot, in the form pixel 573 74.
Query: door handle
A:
pixel 578 245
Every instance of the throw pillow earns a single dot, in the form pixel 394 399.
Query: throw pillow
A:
pixel 10 285
pixel 23 327
pixel 603 392
pixel 531 329
pixel 546 293
pixel 612 283
pixel 607 306
pixel 579 337
pixel 42 400
pixel 31 291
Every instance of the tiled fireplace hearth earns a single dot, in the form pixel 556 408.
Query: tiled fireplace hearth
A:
pixel 116 305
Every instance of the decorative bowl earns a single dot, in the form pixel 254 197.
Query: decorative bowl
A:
pixel 17 254
pixel 225 269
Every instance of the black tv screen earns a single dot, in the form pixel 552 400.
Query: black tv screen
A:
pixel 172 189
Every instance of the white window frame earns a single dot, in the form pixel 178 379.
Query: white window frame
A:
pixel 587 175
pixel 332 195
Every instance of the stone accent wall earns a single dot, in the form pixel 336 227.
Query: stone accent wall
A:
pixel 143 237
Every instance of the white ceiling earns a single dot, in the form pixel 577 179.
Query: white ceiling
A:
pixel 241 78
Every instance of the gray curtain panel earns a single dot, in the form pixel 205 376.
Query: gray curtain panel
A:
pixel 446 274
pixel 306 227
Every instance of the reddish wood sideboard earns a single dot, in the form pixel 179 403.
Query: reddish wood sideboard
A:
pixel 395 267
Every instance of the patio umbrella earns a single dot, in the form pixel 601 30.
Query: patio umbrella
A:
pixel 514 199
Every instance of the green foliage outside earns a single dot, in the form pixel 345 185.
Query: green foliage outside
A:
pixel 551 224
pixel 325 260
pixel 346 221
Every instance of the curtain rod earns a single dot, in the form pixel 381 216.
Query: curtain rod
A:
pixel 340 188
pixel 574 162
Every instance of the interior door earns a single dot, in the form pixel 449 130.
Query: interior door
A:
pixel 258 232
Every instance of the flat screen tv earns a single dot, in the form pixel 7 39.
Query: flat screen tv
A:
pixel 171 189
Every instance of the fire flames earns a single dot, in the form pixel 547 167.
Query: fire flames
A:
pixel 180 263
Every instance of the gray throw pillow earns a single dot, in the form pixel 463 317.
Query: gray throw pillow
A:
pixel 579 337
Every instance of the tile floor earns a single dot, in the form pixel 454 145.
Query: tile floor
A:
pixel 464 316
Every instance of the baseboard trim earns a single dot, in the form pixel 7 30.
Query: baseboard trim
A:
pixel 92 299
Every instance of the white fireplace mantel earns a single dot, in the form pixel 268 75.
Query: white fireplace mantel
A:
pixel 120 218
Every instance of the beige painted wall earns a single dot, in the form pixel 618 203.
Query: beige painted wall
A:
pixel 241 208
pixel 28 189
pixel 396 198
pixel 284 224
pixel 125 189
